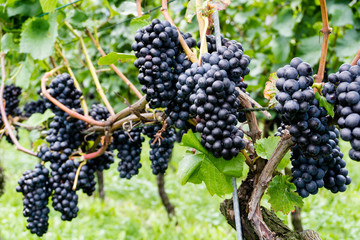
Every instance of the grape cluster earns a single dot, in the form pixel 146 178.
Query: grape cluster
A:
pixel 160 153
pixel 311 174
pixel 156 48
pixel 64 200
pixel 36 189
pixel 34 107
pixel 11 97
pixel 299 108
pixel 237 65
pixel 128 145
pixel 343 88
pixel 64 132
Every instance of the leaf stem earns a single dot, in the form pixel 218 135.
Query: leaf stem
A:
pixel 92 69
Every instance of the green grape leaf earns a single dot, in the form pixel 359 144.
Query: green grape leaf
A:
pixel 127 8
pixel 284 162
pixel 282 194
pixel 341 14
pixel 113 57
pixel 24 7
pixel 233 167
pixel 197 168
pixel 191 140
pixel 190 11
pixel 111 10
pixel 78 19
pixel 310 50
pixel 323 103
pixel 189 166
pixel 38 36
pixel 48 5
pixel 8 44
pixel 280 47
pixel 265 147
pixel 26 69
pixel 285 22
pixel 138 23
pixel 37 118
pixel 36 144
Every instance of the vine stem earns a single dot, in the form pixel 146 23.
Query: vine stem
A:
pixel 264 179
pixel 76 83
pixel 203 47
pixel 356 59
pixel 138 7
pixel 116 70
pixel 3 113
pixel 62 106
pixel 89 156
pixel 164 10
pixel 324 48
pixel 92 69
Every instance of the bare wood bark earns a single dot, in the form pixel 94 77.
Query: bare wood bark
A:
pixel 325 41
pixel 170 209
pixel 100 178
pixel 265 177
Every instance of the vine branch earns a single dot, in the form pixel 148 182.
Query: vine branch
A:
pixel 356 59
pixel 116 70
pixel 324 48
pixel 256 104
pixel 3 113
pixel 265 177
pixel 164 10
pixel 138 7
pixel 76 83
pixel 92 69
pixel 62 106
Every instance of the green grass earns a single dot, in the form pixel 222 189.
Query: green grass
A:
pixel 133 210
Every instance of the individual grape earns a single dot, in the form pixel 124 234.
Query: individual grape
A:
pixel 2 182
pixel 36 190
pixel 128 145
pixel 161 151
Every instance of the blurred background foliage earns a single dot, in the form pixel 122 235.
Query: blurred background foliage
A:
pixel 271 31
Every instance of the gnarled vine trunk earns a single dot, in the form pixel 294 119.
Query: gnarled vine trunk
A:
pixel 274 223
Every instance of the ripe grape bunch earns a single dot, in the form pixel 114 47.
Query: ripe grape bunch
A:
pixel 343 90
pixel 159 61
pixel 316 149
pixel 36 189
pixel 161 150
pixel 128 145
